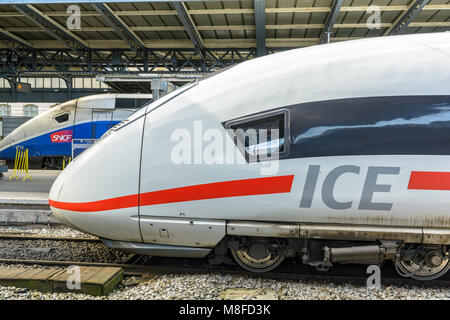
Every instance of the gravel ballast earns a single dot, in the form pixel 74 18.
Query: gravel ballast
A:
pixel 55 250
pixel 60 251
pixel 213 286
pixel 44 231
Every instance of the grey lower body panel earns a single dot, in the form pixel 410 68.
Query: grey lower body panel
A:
pixel 159 250
pixel 347 232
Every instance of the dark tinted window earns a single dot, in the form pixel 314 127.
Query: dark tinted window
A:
pixel 62 117
pixel 260 136
pixel 130 103
pixel 417 125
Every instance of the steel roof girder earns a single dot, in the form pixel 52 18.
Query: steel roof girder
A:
pixel 407 17
pixel 260 22
pixel 329 23
pixel 120 27
pixel 92 60
pixel 191 30
pixel 51 27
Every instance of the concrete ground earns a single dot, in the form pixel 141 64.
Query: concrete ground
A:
pixel 36 189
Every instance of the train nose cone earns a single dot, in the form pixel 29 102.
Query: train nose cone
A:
pixel 97 192
pixel 54 200
pixel 75 189
pixel 3 149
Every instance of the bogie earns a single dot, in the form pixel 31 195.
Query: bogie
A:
pixel 420 262
pixel 258 254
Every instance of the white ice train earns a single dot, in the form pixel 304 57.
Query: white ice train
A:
pixel 48 136
pixel 363 174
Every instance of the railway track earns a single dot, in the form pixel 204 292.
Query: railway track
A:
pixel 12 236
pixel 135 265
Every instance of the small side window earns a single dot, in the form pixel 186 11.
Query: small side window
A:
pixel 130 103
pixel 261 137
pixel 30 110
pixel 62 117
pixel 5 110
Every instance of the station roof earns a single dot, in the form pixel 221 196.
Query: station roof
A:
pixel 217 24
pixel 180 40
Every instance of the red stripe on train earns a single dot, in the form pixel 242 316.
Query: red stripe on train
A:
pixel 234 188
pixel 101 205
pixel 429 180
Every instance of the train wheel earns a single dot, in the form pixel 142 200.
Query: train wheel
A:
pixel 257 257
pixel 423 264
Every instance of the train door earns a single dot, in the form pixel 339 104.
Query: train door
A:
pixel 101 122
pixel 82 124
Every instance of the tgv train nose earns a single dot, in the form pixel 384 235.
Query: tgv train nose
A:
pixel 7 149
pixel 79 198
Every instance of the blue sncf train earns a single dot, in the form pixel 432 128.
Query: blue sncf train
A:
pixel 48 136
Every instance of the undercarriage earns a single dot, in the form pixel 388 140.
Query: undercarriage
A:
pixel 417 261
pixel 54 163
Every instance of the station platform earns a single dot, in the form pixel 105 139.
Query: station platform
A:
pixel 36 189
pixel 23 202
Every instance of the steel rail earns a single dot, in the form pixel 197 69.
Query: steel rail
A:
pixel 20 237
pixel 131 269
